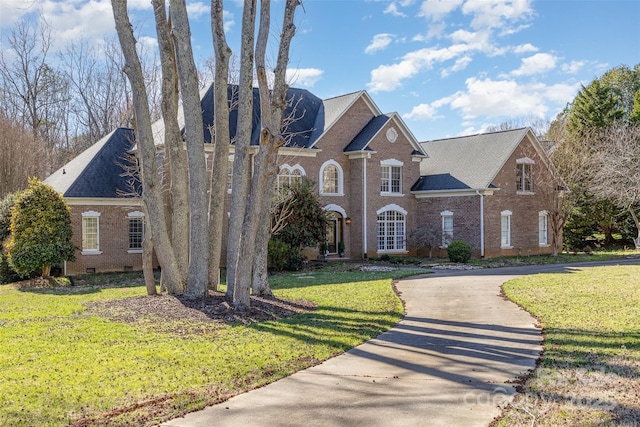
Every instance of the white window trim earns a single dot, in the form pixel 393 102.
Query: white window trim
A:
pixel 506 214
pixel 136 214
pixel 545 215
pixel 530 162
pixel 396 208
pixel 391 163
pixel 447 214
pixel 91 214
pixel 340 178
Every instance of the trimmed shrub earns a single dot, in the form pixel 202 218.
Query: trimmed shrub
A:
pixel 459 251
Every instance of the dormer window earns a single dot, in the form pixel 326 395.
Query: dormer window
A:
pixel 524 175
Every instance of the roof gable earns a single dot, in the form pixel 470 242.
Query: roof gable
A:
pixel 474 160
pixel 98 172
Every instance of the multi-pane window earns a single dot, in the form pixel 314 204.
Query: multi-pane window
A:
pixel 288 178
pixel 330 179
pixel 447 228
pixel 543 238
pixel 136 233
pixel 90 232
pixel 391 179
pixel 524 177
pixel 391 231
pixel 505 229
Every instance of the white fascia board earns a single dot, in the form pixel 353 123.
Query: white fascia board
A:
pixel 453 193
pixel 82 201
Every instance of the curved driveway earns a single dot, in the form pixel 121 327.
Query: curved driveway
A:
pixel 451 361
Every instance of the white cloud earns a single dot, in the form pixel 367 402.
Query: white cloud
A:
pixel 306 77
pixel 495 100
pixel 228 19
pixel 83 20
pixel 496 13
pixel 388 77
pixel 460 64
pixel 12 10
pixel 421 112
pixel 379 42
pixel 536 64
pixel 573 67
pixel 438 9
pixel 198 9
pixel 525 48
pixel 393 10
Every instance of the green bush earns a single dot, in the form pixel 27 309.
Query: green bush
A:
pixel 40 230
pixel 7 275
pixel 283 256
pixel 459 251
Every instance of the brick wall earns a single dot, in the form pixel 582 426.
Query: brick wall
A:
pixel 114 241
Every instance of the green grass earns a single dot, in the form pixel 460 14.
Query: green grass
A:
pixel 591 321
pixel 565 257
pixel 60 364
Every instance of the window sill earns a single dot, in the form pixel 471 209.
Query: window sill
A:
pixel 544 245
pixel 91 252
pixel 392 194
pixel 525 193
pixel 332 194
pixel 134 251
pixel 506 247
pixel 393 251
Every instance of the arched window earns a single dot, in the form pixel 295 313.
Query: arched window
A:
pixel 391 229
pixel 543 239
pixel 289 176
pixel 331 178
pixel 447 228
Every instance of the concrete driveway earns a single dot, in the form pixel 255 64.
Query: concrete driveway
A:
pixel 450 362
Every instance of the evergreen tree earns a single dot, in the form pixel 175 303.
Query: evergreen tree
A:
pixel 40 230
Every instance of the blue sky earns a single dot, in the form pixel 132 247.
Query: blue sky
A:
pixel 448 67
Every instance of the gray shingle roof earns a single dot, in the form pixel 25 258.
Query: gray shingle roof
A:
pixel 472 160
pixel 98 172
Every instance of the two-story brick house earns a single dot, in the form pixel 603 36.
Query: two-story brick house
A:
pixel 373 177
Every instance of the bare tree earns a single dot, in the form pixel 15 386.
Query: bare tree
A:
pixel 20 157
pixel 272 107
pixel 152 188
pixel 615 170
pixel 33 92
pixel 220 137
pixel 425 236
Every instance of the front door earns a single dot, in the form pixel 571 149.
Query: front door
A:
pixel 333 232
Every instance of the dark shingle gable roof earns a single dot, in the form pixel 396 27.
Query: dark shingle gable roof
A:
pixel 363 138
pixel 303 115
pixel 443 181
pixel 100 171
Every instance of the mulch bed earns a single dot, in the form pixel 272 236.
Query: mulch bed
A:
pixel 212 310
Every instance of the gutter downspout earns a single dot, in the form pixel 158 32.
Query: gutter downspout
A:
pixel 364 207
pixel 481 223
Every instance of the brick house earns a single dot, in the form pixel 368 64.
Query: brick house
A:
pixel 376 181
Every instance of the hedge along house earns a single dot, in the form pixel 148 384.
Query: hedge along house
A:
pixel 374 179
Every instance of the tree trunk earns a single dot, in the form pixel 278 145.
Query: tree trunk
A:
pixel 147 261
pixel 257 224
pixel 220 164
pixel 237 294
pixel 636 220
pixel 152 191
pixel 175 159
pixel 198 278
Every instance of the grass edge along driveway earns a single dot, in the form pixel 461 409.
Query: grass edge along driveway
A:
pixel 61 365
pixel 589 373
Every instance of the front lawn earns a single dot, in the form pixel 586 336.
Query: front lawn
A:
pixel 63 364
pixel 590 370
